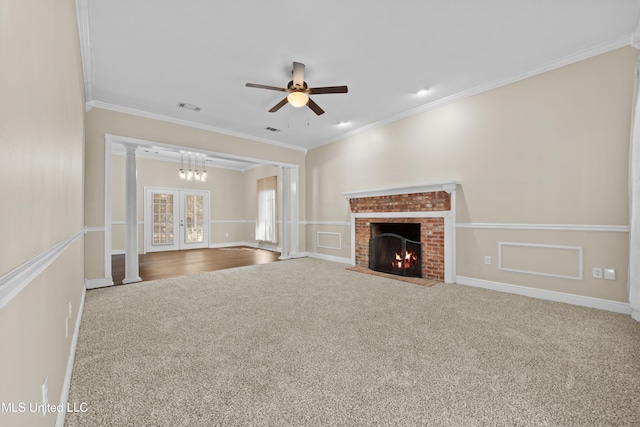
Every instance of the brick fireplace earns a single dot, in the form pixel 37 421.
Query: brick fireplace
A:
pixel 431 206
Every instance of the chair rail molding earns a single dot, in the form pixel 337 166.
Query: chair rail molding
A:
pixel 17 279
pixel 549 227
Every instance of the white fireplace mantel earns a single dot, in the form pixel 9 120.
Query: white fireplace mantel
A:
pixel 448 186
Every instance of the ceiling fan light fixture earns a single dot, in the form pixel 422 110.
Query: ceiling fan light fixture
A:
pixel 298 99
pixel 299 91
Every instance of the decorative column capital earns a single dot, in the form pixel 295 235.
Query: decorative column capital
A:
pixel 130 148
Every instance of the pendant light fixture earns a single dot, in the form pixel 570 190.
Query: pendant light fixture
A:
pixel 193 172
pixel 190 173
pixel 181 173
pixel 204 168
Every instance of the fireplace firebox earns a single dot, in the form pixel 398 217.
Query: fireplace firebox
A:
pixel 395 254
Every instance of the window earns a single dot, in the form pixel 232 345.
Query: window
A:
pixel 266 220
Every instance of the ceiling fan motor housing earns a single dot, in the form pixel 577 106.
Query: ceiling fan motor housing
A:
pixel 293 87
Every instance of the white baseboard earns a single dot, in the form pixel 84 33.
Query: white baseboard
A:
pixel 98 283
pixel 255 245
pixel 325 257
pixel 294 255
pixel 228 245
pixel 64 396
pixel 599 303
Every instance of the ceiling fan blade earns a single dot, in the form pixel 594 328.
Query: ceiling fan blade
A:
pixel 328 89
pixel 298 74
pixel 315 107
pixel 278 106
pixel 266 87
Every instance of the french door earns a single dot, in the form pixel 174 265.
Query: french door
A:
pixel 175 219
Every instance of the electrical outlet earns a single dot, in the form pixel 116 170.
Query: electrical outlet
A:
pixel 610 274
pixel 597 273
pixel 487 260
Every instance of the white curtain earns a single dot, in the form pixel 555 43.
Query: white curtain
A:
pixel 634 211
pixel 266 216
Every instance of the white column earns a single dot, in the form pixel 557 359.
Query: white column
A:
pixel 132 273
pixel 295 218
pixel 284 213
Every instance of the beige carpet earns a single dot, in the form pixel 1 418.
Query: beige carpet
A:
pixel 415 280
pixel 307 342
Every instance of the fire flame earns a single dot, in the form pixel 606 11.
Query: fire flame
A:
pixel 409 258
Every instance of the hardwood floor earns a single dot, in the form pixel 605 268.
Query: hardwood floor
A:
pixel 160 265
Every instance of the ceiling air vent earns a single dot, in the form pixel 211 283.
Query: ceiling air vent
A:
pixel 272 129
pixel 188 106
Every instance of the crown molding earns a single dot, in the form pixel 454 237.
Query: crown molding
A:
pixel 82 14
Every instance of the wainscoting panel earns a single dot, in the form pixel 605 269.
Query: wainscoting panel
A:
pixel 544 260
pixel 329 240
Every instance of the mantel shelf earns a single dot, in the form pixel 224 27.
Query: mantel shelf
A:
pixel 448 186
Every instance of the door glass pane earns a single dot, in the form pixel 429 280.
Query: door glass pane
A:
pixel 163 219
pixel 193 215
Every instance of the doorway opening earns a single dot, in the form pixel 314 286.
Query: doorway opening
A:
pixel 175 219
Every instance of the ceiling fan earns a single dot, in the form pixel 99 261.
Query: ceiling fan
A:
pixel 299 91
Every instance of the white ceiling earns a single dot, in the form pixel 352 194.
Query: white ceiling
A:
pixel 146 56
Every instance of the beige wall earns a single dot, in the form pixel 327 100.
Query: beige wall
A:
pixel 41 184
pixel 225 186
pixel 550 149
pixel 100 122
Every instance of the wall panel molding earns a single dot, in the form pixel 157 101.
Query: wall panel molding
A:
pixel 578 249
pixel 327 233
